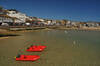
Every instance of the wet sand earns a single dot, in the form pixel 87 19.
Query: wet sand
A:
pixel 3 38
pixel 64 48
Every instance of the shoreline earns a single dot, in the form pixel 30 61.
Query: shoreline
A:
pixel 3 38
pixel 14 31
pixel 21 28
pixel 7 33
pixel 74 28
pixel 78 29
pixel 54 27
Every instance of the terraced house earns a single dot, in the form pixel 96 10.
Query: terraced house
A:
pixel 5 19
pixel 16 14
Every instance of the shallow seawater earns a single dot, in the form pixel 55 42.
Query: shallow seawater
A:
pixel 64 48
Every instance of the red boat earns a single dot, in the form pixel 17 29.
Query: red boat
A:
pixel 27 57
pixel 36 48
pixel 43 47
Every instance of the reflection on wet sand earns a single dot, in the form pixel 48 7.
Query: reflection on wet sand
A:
pixel 76 48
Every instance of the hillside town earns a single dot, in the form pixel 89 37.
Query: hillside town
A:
pixel 13 17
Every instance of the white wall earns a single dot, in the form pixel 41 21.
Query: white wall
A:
pixel 4 19
pixel 18 15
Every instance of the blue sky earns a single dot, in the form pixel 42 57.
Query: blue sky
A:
pixel 78 10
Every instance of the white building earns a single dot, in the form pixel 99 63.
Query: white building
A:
pixel 54 22
pixel 49 22
pixel 22 17
pixel 5 18
pixel 68 24
pixel 42 20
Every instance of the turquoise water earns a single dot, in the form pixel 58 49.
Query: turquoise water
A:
pixel 64 48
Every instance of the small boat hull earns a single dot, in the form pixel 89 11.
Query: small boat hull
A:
pixel 36 48
pixel 27 58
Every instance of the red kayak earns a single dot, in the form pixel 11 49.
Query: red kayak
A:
pixel 27 57
pixel 36 48
pixel 43 47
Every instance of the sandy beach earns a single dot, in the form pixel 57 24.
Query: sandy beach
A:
pixel 5 33
pixel 3 38
pixel 64 48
